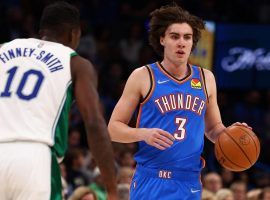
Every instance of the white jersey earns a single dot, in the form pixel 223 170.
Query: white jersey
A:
pixel 35 90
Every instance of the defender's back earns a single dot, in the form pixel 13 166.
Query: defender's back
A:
pixel 35 82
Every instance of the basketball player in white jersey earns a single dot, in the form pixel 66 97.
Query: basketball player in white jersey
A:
pixel 38 79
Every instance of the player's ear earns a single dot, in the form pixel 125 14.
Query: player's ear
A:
pixel 75 37
pixel 161 40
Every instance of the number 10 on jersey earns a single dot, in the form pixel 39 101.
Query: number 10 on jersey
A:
pixel 31 93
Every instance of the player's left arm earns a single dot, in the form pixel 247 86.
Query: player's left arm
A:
pixel 213 122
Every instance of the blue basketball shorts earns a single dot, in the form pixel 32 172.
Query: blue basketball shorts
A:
pixel 155 184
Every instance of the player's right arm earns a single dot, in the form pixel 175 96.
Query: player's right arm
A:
pixel 87 99
pixel 137 87
pixel 213 122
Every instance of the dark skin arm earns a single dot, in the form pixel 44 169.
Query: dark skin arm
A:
pixel 87 99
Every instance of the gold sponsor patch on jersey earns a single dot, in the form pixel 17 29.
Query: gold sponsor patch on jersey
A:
pixel 196 83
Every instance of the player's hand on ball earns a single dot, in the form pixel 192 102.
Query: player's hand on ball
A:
pixel 242 124
pixel 158 138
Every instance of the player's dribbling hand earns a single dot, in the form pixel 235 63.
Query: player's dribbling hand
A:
pixel 242 124
pixel 158 138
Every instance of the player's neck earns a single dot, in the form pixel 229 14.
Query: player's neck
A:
pixel 54 39
pixel 179 71
pixel 49 38
pixel 48 35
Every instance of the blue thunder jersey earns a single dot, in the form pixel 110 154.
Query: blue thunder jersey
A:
pixel 178 107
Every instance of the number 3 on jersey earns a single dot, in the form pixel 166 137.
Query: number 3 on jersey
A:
pixel 180 133
pixel 22 94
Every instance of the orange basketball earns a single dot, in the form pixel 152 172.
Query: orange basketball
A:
pixel 237 148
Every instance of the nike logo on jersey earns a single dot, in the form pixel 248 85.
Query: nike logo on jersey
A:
pixel 194 191
pixel 160 82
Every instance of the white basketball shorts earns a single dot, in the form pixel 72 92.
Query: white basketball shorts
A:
pixel 25 171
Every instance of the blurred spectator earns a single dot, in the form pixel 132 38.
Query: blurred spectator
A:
pixel 130 47
pixel 239 189
pixel 89 167
pixel 66 189
pixel 227 177
pixel 212 182
pixel 254 194
pixel 98 186
pixel 126 159
pixel 87 47
pixel 75 117
pixel 74 163
pixel 131 147
pixel 265 194
pixel 243 177
pixel 123 191
pixel 125 175
pixel 207 195
pixel 224 194
pixel 83 193
pixel 262 179
pixel 74 138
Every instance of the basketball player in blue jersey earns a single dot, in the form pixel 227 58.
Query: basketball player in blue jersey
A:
pixel 38 79
pixel 177 105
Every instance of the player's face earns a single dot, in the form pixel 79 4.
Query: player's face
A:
pixel 177 42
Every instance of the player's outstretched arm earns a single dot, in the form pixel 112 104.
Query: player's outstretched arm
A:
pixel 87 99
pixel 137 85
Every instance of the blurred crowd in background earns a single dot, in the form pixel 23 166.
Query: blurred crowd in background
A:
pixel 114 38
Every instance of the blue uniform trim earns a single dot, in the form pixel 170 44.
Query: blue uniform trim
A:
pixel 164 71
pixel 204 84
pixel 151 83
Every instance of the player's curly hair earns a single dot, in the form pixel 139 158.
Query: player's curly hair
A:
pixel 163 17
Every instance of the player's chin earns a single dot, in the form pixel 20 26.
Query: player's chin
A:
pixel 180 59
